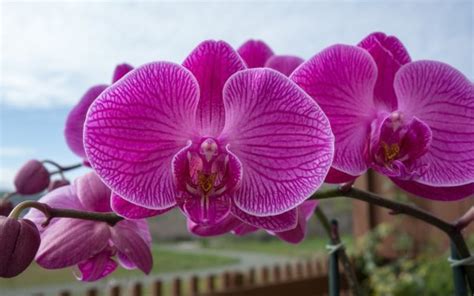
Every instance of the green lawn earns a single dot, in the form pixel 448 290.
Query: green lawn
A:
pixel 309 247
pixel 164 261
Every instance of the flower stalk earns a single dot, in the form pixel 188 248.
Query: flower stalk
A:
pixel 450 229
pixel 50 213
pixel 61 168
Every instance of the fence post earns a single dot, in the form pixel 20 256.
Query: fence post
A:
pixel 136 289
pixel 114 290
pixel 226 280
pixel 251 277
pixel 288 272
pixel 211 283
pixel 334 283
pixel 460 285
pixel 265 275
pixel 92 292
pixel 176 287
pixel 64 293
pixel 194 285
pixel 157 288
pixel 276 274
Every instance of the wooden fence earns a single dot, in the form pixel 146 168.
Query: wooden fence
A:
pixel 304 278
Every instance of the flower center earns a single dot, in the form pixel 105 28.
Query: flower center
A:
pixel 397 143
pixel 207 169
pixel 206 174
pixel 390 151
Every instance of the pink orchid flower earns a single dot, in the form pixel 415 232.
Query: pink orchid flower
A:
pixel 257 54
pixel 232 224
pixel 90 245
pixel 74 129
pixel 211 137
pixel 411 121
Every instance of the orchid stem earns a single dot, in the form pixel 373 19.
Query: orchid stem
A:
pixel 50 213
pixel 346 262
pixel 450 229
pixel 61 168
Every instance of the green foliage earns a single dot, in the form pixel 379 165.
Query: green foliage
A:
pixel 428 274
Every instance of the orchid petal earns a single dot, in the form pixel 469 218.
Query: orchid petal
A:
pixel 135 127
pixel 225 226
pixel 443 98
pixel 131 211
pixel 341 80
pixel 277 223
pixel 93 193
pixel 76 118
pixel 337 177
pixel 436 193
pixel 255 53
pixel 297 234
pixel 212 63
pixel 389 54
pixel 125 262
pixel 244 229
pixel 281 137
pixel 120 71
pixel 71 241
pixel 284 64
pixel 133 246
pixel 97 267
pixel 206 210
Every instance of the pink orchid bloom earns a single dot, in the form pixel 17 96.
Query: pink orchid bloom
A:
pixel 232 224
pixel 90 245
pixel 257 54
pixel 211 137
pixel 411 121
pixel 74 129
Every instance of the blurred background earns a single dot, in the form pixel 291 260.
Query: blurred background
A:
pixel 52 52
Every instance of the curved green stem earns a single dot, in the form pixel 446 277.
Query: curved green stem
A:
pixel 450 229
pixel 50 213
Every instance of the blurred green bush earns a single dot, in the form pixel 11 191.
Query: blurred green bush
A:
pixel 428 274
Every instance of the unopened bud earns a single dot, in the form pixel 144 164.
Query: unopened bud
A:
pixel 19 242
pixel 57 183
pixel 32 178
pixel 6 207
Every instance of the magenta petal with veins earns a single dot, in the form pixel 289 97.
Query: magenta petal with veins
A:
pixel 90 245
pixel 208 136
pixel 284 64
pixel 74 128
pixel 411 121
pixel 255 53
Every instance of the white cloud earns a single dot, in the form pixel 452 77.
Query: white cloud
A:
pixel 10 152
pixel 63 48
pixel 6 178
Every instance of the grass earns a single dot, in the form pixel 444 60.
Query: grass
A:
pixel 164 261
pixel 273 246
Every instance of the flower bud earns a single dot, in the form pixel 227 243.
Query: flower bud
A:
pixel 6 207
pixel 19 242
pixel 32 178
pixel 57 183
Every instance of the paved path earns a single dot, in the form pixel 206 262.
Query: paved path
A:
pixel 246 260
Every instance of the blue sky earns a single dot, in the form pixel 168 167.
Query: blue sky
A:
pixel 51 52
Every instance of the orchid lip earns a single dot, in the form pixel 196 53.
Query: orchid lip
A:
pixel 397 143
